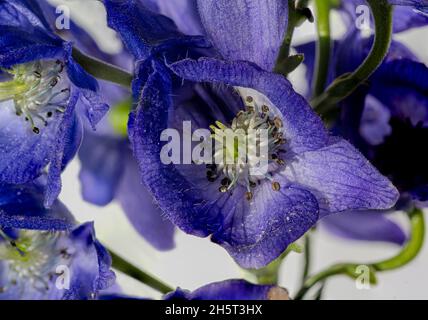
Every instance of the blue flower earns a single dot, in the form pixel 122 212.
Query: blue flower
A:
pixel 44 254
pixel 231 290
pixel 41 88
pixel 387 120
pixel 389 113
pixel 311 174
pixel 108 169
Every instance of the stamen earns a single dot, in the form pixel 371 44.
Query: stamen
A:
pixel 276 186
pixel 254 119
pixel 31 259
pixel 33 91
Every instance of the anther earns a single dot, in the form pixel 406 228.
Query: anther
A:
pixel 223 189
pixel 249 99
pixel 54 82
pixel 249 196
pixel 36 130
pixel 277 122
pixel 276 186
pixel 265 108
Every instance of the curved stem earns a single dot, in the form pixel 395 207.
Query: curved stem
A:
pixel 347 84
pixel 307 253
pixel 103 70
pixel 126 267
pixel 297 14
pixel 323 46
pixel 407 254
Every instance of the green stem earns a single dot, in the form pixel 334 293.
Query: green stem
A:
pixel 322 8
pixel 347 84
pixel 124 266
pixel 307 253
pixel 406 255
pixel 103 70
pixel 296 16
pixel 284 52
pixel 269 275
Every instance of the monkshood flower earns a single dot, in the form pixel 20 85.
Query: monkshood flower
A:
pixel 311 174
pixel 387 114
pixel 231 290
pixel 223 290
pixel 44 254
pixel 110 172
pixel 108 169
pixel 41 88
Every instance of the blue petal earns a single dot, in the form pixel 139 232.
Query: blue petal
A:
pixel 74 259
pixel 25 154
pixel 407 14
pixel 185 205
pixel 24 13
pixel 401 85
pixel 342 179
pixel 256 233
pixel 65 137
pixel 406 18
pixel 91 264
pixel 368 226
pixel 231 290
pixel 22 207
pixel 18 46
pixel 304 128
pixel 248 30
pixel 141 29
pixel 142 211
pixel 184 13
pixel 102 167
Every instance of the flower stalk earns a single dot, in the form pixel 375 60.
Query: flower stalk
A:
pixel 406 255
pixel 126 267
pixel 345 85
pixel 323 53
pixel 103 70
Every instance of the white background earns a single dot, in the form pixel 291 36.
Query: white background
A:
pixel 196 262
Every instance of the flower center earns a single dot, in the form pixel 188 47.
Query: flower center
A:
pixel 34 89
pixel 250 149
pixel 32 258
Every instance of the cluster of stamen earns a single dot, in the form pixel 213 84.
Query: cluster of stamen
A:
pixel 32 258
pixel 35 91
pixel 255 118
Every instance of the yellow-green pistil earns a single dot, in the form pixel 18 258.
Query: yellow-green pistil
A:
pixel 33 88
pixel 253 120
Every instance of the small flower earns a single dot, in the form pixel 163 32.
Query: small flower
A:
pixel 44 254
pixel 311 174
pixel 231 290
pixel 41 87
pixel 108 169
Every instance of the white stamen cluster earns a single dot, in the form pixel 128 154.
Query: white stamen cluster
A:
pixel 32 259
pixel 254 119
pixel 34 91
